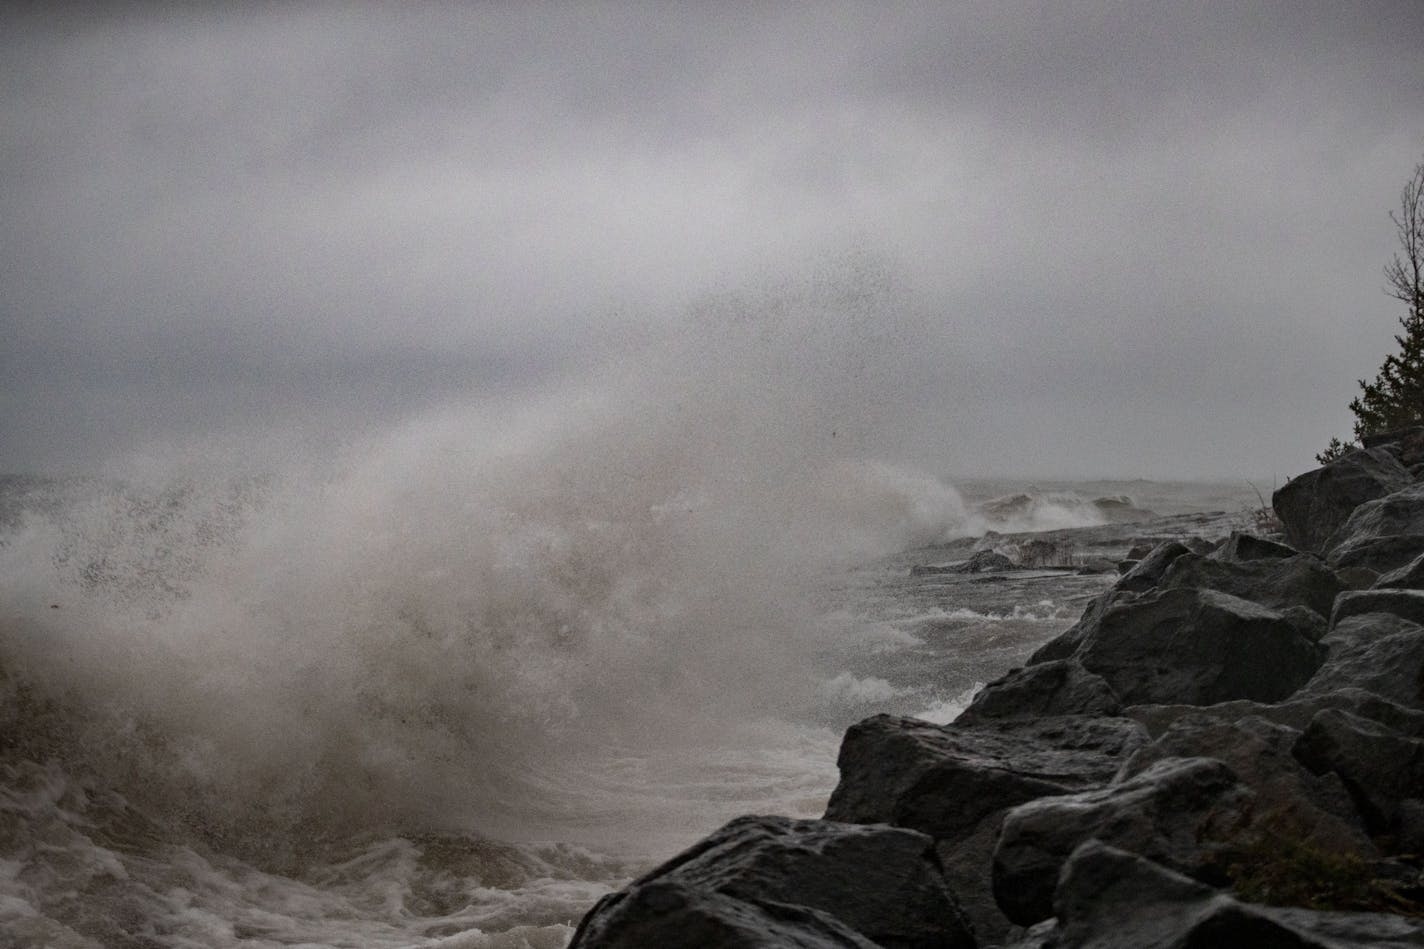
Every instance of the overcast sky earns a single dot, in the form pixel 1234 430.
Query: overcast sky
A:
pixel 1105 239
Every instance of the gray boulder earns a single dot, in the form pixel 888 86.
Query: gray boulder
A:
pixel 1365 559
pixel 1111 899
pixel 954 782
pixel 1315 809
pixel 1406 604
pixel 1241 546
pixel 944 779
pixel 1198 647
pixel 1408 577
pixel 1171 812
pixel 1059 687
pixel 774 881
pixel 1149 569
pixel 1378 652
pixel 1296 712
pixel 1314 505
pixel 1276 582
pixel 1382 768
pixel 1397 513
pixel 1066 644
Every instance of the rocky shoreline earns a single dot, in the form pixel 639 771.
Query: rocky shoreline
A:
pixel 1226 750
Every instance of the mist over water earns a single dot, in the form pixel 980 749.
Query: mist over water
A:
pixel 432 627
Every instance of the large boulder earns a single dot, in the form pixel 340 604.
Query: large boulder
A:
pixel 954 782
pixel 1408 577
pixel 774 881
pixel 1314 505
pixel 1198 647
pixel 1172 812
pixel 1066 644
pixel 1365 559
pixel 1398 513
pixel 944 779
pixel 1406 604
pixel 1241 546
pixel 1059 687
pixel 1112 899
pixel 1382 768
pixel 1276 582
pixel 1381 653
pixel 1148 571
pixel 1314 810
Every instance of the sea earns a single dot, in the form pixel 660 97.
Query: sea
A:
pixel 439 697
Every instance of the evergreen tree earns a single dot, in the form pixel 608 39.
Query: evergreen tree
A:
pixel 1395 399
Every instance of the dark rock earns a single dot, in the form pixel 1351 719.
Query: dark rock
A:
pixel 774 881
pixel 1382 768
pixel 1406 444
pixel 674 915
pixel 1314 505
pixel 1241 546
pixel 1111 899
pixel 1197 647
pixel 1294 713
pixel 1278 583
pixel 1170 812
pixel 1398 513
pixel 1065 644
pixel 1149 569
pixel 944 779
pixel 1408 577
pixel 1406 604
pixel 1378 652
pixel 984 561
pixel 1316 809
pixel 954 782
pixel 1370 557
pixel 1060 687
pixel 1124 567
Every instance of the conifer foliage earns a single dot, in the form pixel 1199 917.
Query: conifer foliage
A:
pixel 1395 399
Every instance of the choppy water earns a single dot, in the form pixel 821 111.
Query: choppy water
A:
pixel 386 708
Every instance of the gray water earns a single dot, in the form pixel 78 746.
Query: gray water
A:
pixel 391 708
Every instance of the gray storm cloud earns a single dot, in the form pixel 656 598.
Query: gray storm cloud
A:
pixel 1120 239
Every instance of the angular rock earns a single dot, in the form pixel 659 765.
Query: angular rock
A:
pixel 1059 687
pixel 1408 577
pixel 1314 505
pixel 1111 899
pixel 1398 513
pixel 1066 644
pixel 678 916
pixel 1241 546
pixel 1197 647
pixel 1149 569
pixel 1406 604
pixel 1406 444
pixel 943 779
pixel 1275 582
pixel 1377 652
pixel 1295 712
pixel 954 782
pixel 773 881
pixel 1368 558
pixel 1315 809
pixel 1170 812
pixel 1382 768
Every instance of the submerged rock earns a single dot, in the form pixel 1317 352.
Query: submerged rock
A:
pixel 774 881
